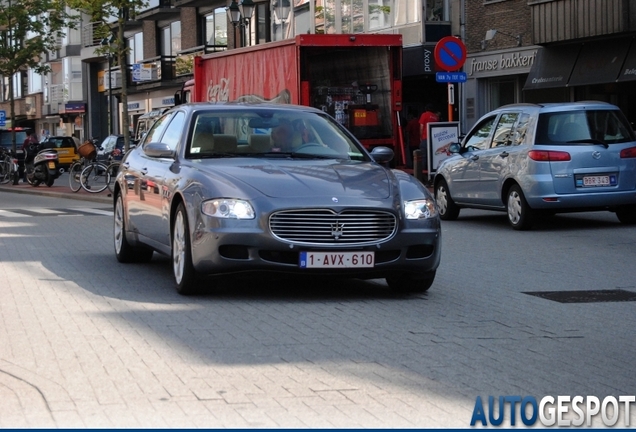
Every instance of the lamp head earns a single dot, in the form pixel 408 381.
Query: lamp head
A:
pixel 235 13
pixel 247 9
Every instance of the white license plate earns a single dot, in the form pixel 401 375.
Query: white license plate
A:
pixel 337 259
pixel 596 181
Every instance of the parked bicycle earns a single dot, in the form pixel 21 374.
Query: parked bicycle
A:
pixel 8 167
pixel 91 175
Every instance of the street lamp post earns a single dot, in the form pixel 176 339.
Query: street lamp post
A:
pixel 241 16
pixel 106 42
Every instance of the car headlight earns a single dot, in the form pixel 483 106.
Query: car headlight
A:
pixel 228 208
pixel 420 209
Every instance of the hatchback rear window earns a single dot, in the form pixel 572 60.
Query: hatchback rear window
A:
pixel 583 126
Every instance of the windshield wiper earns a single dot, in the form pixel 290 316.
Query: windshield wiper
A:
pixel 590 141
pixel 217 155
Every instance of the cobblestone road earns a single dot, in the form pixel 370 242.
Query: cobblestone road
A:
pixel 88 342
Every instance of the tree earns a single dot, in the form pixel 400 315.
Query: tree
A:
pixel 102 11
pixel 28 28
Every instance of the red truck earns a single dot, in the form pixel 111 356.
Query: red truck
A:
pixel 355 78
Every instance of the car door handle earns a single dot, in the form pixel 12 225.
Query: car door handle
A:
pixel 126 165
pixel 144 171
pixel 504 154
pixel 474 157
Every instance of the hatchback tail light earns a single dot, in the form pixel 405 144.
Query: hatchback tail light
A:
pixel 628 153
pixel 548 156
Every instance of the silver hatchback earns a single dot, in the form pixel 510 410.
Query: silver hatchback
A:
pixel 529 159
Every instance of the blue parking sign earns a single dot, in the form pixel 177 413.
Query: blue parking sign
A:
pixel 3 118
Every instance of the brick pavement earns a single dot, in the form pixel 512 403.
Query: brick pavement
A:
pixel 88 343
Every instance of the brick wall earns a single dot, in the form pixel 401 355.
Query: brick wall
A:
pixel 508 16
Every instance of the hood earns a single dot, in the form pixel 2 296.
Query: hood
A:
pixel 293 178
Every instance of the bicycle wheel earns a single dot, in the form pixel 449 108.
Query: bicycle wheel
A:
pixel 74 173
pixel 5 170
pixel 95 178
pixel 113 168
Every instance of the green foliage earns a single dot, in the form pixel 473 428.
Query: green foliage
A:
pixel 29 28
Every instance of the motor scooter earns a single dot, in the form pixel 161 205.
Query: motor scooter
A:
pixel 41 165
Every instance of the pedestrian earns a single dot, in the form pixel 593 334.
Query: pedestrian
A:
pixel 428 116
pixel 412 133
pixel 29 153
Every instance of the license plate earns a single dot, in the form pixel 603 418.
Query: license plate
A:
pixel 598 180
pixel 52 165
pixel 337 259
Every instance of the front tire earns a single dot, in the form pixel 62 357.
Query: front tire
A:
pixel 124 252
pixel 406 283
pixel 182 267
pixel 447 208
pixel 626 214
pixel 520 214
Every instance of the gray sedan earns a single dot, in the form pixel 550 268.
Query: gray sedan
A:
pixel 228 188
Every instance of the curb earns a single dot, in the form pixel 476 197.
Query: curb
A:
pixel 58 192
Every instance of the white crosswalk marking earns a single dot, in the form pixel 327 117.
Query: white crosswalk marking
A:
pixel 44 211
pixel 94 211
pixel 6 213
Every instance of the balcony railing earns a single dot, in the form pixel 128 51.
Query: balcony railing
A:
pixel 89 38
pixel 185 58
pixel 160 68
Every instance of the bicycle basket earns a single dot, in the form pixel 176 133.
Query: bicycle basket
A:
pixel 87 150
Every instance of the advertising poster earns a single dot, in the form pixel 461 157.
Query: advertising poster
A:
pixel 441 136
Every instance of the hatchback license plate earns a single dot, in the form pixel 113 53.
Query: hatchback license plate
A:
pixel 337 259
pixel 600 180
pixel 52 165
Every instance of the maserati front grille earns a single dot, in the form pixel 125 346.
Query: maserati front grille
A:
pixel 326 227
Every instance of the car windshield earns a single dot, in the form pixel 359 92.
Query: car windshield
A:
pixel 583 126
pixel 269 133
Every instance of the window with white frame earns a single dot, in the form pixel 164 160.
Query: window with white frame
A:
pixel 216 28
pixel 35 81
pixel 136 48
pixel 171 39
pixel 406 12
pixel 379 14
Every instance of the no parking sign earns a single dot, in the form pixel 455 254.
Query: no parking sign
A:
pixel 450 55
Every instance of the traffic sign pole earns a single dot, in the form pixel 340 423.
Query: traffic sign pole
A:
pixel 450 55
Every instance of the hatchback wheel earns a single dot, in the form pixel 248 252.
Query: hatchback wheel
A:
pixel 627 214
pixel 184 273
pixel 519 212
pixel 448 210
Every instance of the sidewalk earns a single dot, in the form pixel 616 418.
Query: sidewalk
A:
pixel 60 189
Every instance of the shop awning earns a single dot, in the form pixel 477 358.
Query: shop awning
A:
pixel 600 62
pixel 628 72
pixel 552 67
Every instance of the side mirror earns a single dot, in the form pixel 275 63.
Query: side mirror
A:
pixel 455 148
pixel 382 154
pixel 158 150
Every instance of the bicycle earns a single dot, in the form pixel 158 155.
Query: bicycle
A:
pixel 113 167
pixel 8 167
pixel 90 174
pixel 95 177
pixel 87 152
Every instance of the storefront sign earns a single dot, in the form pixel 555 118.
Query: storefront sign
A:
pixel 441 136
pixel 507 63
